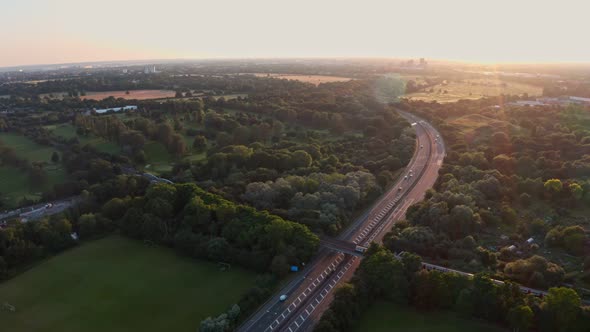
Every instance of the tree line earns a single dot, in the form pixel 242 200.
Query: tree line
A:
pixel 383 276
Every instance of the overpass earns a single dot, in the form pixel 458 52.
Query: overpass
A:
pixel 345 247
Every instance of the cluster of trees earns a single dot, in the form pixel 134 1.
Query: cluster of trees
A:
pixel 512 169
pixel 382 276
pixel 194 222
pixel 204 225
pixel 23 243
pixel 322 201
pixel 35 170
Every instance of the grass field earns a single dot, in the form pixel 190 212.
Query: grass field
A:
pixel 117 284
pixel 474 89
pixel 67 130
pixel 133 94
pixel 26 148
pixel 314 79
pixel 477 128
pixel 14 183
pixel 158 158
pixel 387 317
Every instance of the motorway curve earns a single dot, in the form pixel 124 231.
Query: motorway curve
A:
pixel 310 293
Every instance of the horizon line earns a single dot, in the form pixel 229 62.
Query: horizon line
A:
pixel 250 58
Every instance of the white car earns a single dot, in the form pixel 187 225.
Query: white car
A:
pixel 282 298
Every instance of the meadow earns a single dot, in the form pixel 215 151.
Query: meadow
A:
pixel 15 183
pixel 68 131
pixel 99 95
pixel 386 317
pixel 452 91
pixel 313 79
pixel 118 284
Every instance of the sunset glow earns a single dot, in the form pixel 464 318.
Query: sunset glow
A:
pixel 496 31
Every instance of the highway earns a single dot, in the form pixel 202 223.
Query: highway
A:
pixel 45 209
pixel 310 293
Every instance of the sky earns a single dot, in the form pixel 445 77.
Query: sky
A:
pixel 65 31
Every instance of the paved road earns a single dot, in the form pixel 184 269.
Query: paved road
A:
pixel 40 210
pixel 310 293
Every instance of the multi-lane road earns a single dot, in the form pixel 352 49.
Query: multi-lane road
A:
pixel 309 294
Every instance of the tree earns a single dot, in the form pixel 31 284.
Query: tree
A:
pixel 553 186
pixel 520 318
pixel 55 157
pixel 384 275
pixel 576 190
pixel 462 219
pixel 87 225
pixel 177 145
pixel 37 176
pixel 279 266
pixel 563 305
pixel 300 159
pixel 200 143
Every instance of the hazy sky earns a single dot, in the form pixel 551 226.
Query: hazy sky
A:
pixel 58 31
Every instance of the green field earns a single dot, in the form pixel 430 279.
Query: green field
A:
pixel 387 317
pixel 159 160
pixel 26 148
pixel 452 91
pixel 67 131
pixel 14 183
pixel 117 284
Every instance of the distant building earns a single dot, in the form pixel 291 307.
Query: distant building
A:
pixel 579 100
pixel 150 70
pixel 116 109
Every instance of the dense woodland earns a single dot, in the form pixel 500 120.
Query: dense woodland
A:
pixel 316 155
pixel 383 276
pixel 507 195
pixel 260 176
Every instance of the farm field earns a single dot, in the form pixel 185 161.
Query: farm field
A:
pixel 133 94
pixel 386 317
pixel 314 79
pixel 117 284
pixel 473 89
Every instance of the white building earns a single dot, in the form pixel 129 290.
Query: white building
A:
pixel 116 109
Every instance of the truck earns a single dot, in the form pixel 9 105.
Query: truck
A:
pixel 360 249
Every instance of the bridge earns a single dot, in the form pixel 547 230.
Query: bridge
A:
pixel 342 246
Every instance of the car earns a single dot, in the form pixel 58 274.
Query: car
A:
pixel 406 177
pixel 411 175
pixel 421 146
pixel 283 297
pixel 399 189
